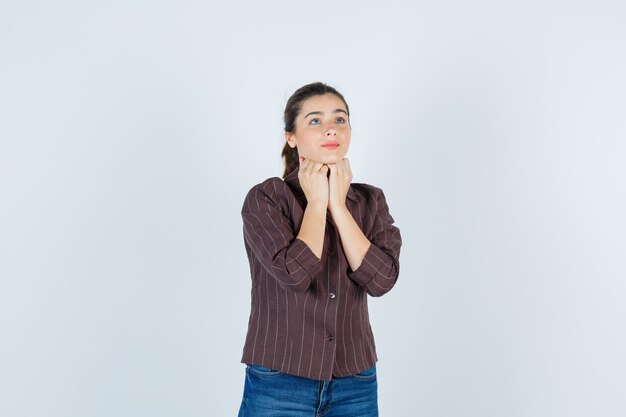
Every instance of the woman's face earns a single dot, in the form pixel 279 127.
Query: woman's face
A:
pixel 322 131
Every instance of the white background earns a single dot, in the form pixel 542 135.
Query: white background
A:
pixel 130 132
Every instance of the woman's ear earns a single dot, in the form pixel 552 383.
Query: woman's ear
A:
pixel 291 139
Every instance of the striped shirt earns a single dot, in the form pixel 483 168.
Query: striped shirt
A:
pixel 309 316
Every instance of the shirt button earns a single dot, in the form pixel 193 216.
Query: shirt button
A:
pixel 330 338
pixel 331 295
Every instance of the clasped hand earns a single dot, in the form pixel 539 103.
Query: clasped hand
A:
pixel 322 188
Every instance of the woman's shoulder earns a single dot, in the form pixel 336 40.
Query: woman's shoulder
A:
pixel 271 188
pixel 268 183
pixel 367 191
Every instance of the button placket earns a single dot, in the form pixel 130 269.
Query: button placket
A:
pixel 332 256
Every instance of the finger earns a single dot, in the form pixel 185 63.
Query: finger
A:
pixel 310 167
pixel 317 166
pixel 333 169
pixel 301 158
pixel 348 168
pixel 305 168
pixel 340 169
pixel 324 169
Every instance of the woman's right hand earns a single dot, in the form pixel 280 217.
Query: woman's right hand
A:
pixel 313 178
pixel 314 182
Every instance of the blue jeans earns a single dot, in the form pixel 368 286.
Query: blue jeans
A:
pixel 269 393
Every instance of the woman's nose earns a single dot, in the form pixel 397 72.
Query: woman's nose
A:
pixel 331 132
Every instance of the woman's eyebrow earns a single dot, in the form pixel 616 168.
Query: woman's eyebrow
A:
pixel 313 112
pixel 319 112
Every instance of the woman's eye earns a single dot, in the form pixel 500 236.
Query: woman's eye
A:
pixel 314 121
pixel 340 120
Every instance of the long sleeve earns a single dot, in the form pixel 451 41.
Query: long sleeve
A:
pixel 271 240
pixel 380 267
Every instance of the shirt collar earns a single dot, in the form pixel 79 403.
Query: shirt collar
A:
pixel 293 181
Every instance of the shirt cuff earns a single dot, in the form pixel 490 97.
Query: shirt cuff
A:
pixel 373 261
pixel 305 258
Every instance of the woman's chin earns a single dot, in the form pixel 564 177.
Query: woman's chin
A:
pixel 326 159
pixel 332 159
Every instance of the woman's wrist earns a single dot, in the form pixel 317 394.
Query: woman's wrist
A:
pixel 318 207
pixel 338 210
pixel 355 243
pixel 313 228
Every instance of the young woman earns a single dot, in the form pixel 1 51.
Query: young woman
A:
pixel 317 245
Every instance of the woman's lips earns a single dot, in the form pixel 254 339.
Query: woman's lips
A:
pixel 330 145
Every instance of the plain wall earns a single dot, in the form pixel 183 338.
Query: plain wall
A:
pixel 130 132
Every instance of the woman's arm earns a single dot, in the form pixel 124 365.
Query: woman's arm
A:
pixel 271 242
pixel 313 227
pixel 374 259
pixel 355 243
pixel 313 180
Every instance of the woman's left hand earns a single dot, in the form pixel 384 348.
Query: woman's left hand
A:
pixel 339 183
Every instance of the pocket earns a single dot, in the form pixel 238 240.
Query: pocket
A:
pixel 262 370
pixel 367 375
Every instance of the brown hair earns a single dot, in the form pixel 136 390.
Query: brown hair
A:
pixel 292 109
